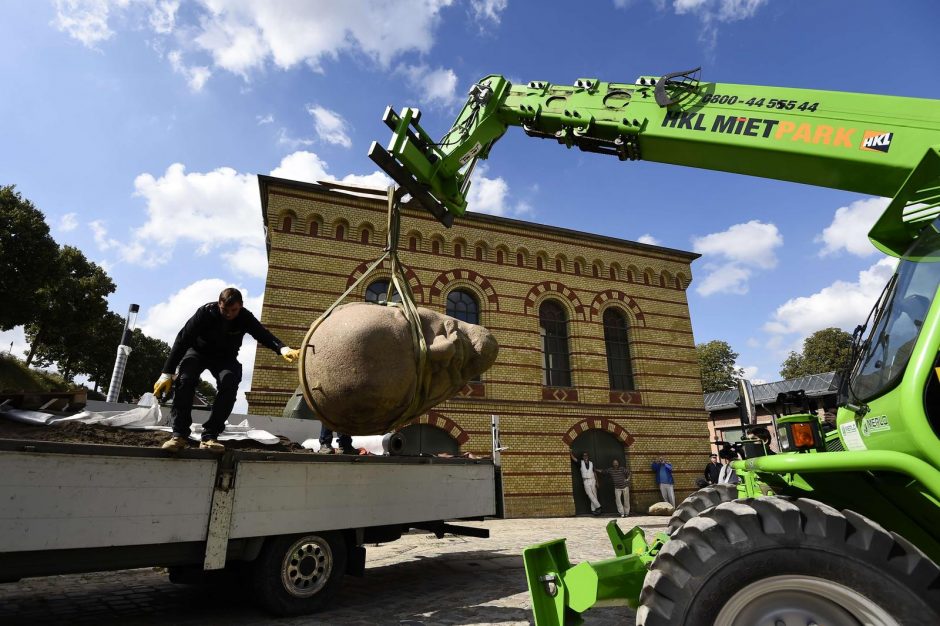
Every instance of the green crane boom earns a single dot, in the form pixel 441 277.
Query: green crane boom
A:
pixel 856 142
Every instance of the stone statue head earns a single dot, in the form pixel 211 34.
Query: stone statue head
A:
pixel 360 367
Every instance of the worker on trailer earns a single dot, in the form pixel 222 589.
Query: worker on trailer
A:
pixel 210 341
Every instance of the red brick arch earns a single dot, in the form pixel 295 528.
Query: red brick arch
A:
pixel 452 428
pixel 598 423
pixel 613 294
pixel 413 281
pixel 441 282
pixel 554 287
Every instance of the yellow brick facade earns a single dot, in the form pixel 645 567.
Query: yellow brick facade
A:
pixel 510 267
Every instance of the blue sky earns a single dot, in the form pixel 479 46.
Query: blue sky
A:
pixel 137 127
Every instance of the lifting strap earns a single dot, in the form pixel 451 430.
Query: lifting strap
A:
pixel 408 306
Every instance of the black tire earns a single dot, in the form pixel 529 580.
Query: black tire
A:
pixel 299 574
pixel 788 561
pixel 702 500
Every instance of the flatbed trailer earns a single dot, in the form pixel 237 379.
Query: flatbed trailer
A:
pixel 291 524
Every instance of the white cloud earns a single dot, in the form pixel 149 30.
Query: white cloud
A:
pixel 491 195
pixel 842 304
pixel 86 20
pixel 751 373
pixel 68 222
pixel 266 119
pixel 243 36
pixel 163 16
pixel 195 75
pixel 648 239
pixel 711 13
pixel 164 320
pixel 436 86
pixel 329 126
pixel 100 233
pixel 488 10
pixel 292 143
pixel 731 256
pixel 849 228
pixel 214 210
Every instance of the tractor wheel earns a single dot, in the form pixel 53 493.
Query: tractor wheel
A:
pixel 703 499
pixel 297 574
pixel 777 562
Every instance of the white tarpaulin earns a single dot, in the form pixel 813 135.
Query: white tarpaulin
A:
pixel 146 416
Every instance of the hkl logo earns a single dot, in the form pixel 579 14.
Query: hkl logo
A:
pixel 876 141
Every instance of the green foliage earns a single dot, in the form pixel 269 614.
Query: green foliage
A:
pixel 27 255
pixel 826 350
pixel 207 390
pixel 15 376
pixel 717 362
pixel 62 327
pixel 97 359
pixel 144 364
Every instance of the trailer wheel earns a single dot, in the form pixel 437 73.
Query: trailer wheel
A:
pixel 703 499
pixel 785 562
pixel 297 574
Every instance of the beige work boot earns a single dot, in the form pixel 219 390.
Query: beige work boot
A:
pixel 174 444
pixel 212 445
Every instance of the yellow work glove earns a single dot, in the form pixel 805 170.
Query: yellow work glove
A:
pixel 163 384
pixel 289 355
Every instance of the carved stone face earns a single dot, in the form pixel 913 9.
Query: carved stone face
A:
pixel 361 365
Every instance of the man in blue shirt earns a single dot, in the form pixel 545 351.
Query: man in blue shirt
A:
pixel 663 470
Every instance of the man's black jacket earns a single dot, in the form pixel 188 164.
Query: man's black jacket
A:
pixel 217 338
pixel 711 473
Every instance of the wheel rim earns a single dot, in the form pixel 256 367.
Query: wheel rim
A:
pixel 800 600
pixel 307 566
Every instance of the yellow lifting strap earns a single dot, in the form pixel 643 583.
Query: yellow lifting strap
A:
pixel 407 305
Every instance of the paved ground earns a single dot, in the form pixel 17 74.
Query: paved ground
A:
pixel 418 580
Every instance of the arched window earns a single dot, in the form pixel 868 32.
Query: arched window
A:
pixel 340 232
pixel 287 223
pixel 553 327
pixel 458 250
pixel 613 273
pixel 364 236
pixel 435 247
pixel 596 270
pixel 479 253
pixel 499 257
pixel 314 228
pixel 558 265
pixel 463 306
pixel 577 268
pixel 539 264
pixel 378 291
pixel 619 368
pixel 520 259
pixel 413 243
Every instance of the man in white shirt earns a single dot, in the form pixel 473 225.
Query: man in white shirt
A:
pixel 589 478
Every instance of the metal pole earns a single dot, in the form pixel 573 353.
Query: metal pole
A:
pixel 123 351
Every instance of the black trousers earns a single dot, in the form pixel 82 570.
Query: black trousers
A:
pixel 326 438
pixel 227 373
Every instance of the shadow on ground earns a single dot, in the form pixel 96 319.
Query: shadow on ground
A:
pixel 461 588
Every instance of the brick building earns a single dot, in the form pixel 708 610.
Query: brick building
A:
pixel 596 346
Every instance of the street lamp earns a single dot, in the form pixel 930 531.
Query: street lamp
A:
pixel 123 351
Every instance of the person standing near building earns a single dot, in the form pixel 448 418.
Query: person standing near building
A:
pixel 712 469
pixel 589 479
pixel 727 475
pixel 620 476
pixel 210 340
pixel 663 470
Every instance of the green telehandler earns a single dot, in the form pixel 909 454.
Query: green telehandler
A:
pixel 842 526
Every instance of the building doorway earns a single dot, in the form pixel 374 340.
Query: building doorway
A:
pixel 428 440
pixel 603 448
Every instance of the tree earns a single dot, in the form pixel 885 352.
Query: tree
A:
pixel 716 360
pixel 97 359
pixel 826 350
pixel 27 255
pixel 207 390
pixel 144 364
pixel 70 303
